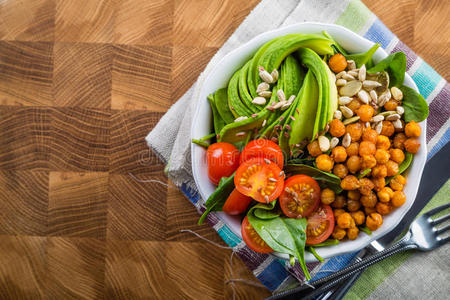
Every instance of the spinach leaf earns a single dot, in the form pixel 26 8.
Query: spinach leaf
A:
pixel 364 173
pixel 366 230
pixel 335 45
pixel 266 214
pixel 416 108
pixel 325 179
pixel 284 235
pixel 316 255
pixel 363 58
pixel 403 166
pixel 329 242
pixel 217 199
pixel 395 65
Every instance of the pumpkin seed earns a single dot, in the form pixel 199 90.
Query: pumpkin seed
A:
pixel 351 88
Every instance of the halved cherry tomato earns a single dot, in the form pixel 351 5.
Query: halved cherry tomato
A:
pixel 300 196
pixel 223 160
pixel 252 238
pixel 262 148
pixel 320 225
pixel 236 203
pixel 260 179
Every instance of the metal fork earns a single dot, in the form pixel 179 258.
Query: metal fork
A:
pixel 422 235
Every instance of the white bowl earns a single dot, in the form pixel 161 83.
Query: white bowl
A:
pixel 219 77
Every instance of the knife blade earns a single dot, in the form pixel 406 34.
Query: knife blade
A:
pixel 434 176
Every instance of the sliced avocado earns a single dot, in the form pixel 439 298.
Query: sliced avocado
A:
pixel 333 99
pixel 239 131
pixel 244 94
pixel 237 108
pixel 221 101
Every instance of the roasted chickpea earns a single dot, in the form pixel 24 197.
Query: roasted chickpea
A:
pixel 339 154
pixel 391 105
pixel 379 183
pixel 353 205
pixel 382 156
pixel 374 221
pixel 366 186
pixel 398 199
pixel 324 162
pixel 359 217
pixel 337 212
pixel 355 131
pixel 354 105
pixel 327 196
pixel 353 149
pixel 379 171
pixel 340 170
pixel 399 140
pixel 412 129
pixel 383 208
pixel 369 200
pixel 383 142
pixel 344 220
pixel 337 63
pixel 385 194
pixel 388 128
pixel 368 162
pixel 370 135
pixel 397 155
pixel 349 183
pixel 314 149
pixel 367 148
pixel 354 164
pixel 365 112
pixel 352 233
pixel 369 210
pixel 337 128
pixel 339 202
pixel 338 233
pixel 354 195
pixel 392 168
pixel 398 183
pixel 412 145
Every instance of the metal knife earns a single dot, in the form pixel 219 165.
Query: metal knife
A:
pixel 435 174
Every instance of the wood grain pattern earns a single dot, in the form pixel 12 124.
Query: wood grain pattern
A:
pixel 32 20
pixel 136 211
pixel 81 85
pixel 141 78
pixel 82 75
pixel 26 71
pixel 77 204
pixel 84 21
pixel 79 277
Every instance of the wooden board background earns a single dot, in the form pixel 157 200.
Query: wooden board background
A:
pixel 81 84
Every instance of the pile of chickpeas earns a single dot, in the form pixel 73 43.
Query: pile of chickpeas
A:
pixel 364 167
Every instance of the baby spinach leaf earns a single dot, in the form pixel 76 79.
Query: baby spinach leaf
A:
pixel 416 108
pixel 395 65
pixel 284 235
pixel 217 199
pixel 266 214
pixel 329 242
pixel 325 179
pixel 363 58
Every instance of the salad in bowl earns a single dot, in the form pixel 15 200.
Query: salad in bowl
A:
pixel 310 144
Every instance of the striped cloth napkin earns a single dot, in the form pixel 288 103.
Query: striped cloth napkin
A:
pixel 401 276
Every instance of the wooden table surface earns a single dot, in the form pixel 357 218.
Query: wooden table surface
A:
pixel 81 84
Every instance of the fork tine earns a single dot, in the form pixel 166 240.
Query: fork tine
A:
pixel 442 241
pixel 442 229
pixel 437 209
pixel 440 220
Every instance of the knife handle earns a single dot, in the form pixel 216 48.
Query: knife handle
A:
pixel 342 290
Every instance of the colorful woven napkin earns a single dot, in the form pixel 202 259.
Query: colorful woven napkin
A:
pixel 170 140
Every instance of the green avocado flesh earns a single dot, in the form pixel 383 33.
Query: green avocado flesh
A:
pixel 303 77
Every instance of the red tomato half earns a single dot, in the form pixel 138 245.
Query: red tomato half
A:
pixel 236 203
pixel 260 179
pixel 262 148
pixel 252 238
pixel 300 196
pixel 320 225
pixel 223 160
